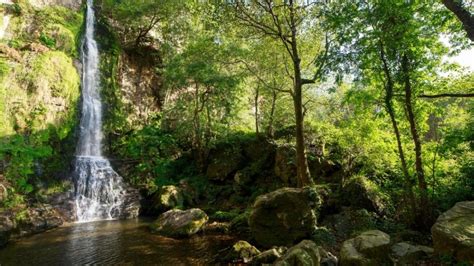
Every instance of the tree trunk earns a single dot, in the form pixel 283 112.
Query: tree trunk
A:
pixel 257 92
pixel 197 129
pixel 301 160
pixel 423 215
pixel 303 175
pixel 391 112
pixel 270 131
pixel 413 129
pixel 466 18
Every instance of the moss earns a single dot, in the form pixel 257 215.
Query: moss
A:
pixel 223 216
pixel 56 71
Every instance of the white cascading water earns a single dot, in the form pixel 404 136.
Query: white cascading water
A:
pixel 99 190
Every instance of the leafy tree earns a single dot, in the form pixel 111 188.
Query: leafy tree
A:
pixel 286 22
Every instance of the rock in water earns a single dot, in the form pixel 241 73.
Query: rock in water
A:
pixel 178 223
pixel 368 248
pixel 306 253
pixel 284 216
pixel 242 251
pixel 453 232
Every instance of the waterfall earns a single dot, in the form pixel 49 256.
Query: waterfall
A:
pixel 99 190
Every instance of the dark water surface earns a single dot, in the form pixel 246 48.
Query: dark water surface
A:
pixel 112 243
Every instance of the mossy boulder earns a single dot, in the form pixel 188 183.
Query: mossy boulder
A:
pixel 167 197
pixel 306 253
pixel 453 232
pixel 369 248
pixel 284 216
pixel 359 192
pixel 179 223
pixel 404 253
pixel 242 251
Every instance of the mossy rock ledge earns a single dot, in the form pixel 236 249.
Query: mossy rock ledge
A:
pixel 284 216
pixel 180 223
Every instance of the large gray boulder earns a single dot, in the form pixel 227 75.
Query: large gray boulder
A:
pixel 404 253
pixel 178 223
pixel 284 216
pixel 306 253
pixel 369 248
pixel 453 232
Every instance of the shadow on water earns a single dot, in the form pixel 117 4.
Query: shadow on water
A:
pixel 112 243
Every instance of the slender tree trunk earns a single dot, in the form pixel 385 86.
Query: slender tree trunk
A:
pixel 209 126
pixel 257 92
pixel 270 131
pixel 391 112
pixel 197 129
pixel 413 128
pixel 304 177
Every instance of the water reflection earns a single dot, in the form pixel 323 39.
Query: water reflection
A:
pixel 112 243
pixel 93 242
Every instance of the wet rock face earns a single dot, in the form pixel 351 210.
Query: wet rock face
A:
pixel 284 216
pixel 178 223
pixel 64 205
pixel 139 85
pixel 306 253
pixel 453 232
pixel 39 220
pixel 33 220
pixel 131 204
pixel 368 248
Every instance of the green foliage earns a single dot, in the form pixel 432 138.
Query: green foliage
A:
pixel 323 236
pixel 47 41
pixel 223 216
pixel 4 69
pixel 15 8
pixel 22 153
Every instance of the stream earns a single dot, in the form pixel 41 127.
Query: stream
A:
pixel 125 242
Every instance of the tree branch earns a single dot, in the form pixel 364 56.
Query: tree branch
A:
pixel 466 18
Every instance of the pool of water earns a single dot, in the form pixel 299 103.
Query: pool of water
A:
pixel 112 243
